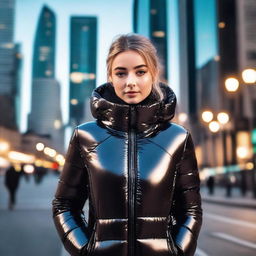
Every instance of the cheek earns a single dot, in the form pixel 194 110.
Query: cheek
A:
pixel 147 78
pixel 117 87
pixel 148 82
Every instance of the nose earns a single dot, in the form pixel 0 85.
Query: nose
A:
pixel 131 85
pixel 131 81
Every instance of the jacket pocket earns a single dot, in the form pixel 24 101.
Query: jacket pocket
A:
pixel 171 245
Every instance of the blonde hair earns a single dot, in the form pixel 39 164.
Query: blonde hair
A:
pixel 145 48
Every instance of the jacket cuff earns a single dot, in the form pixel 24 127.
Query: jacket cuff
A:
pixel 72 232
pixel 185 242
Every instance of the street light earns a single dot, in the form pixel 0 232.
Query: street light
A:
pixel 214 126
pixel 39 146
pixel 223 117
pixel 207 116
pixel 249 76
pixel 231 84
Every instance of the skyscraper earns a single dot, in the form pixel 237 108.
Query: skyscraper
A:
pixel 45 116
pixel 44 45
pixel 150 20
pixel 83 54
pixel 8 68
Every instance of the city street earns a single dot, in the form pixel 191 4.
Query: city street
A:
pixel 228 231
pixel 29 230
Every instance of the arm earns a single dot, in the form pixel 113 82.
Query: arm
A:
pixel 187 201
pixel 69 200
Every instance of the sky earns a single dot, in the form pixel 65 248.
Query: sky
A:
pixel 206 31
pixel 114 17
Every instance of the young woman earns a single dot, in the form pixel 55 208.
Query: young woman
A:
pixel 137 169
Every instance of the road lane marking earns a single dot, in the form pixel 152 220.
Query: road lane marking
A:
pixel 234 239
pixel 230 221
pixel 200 252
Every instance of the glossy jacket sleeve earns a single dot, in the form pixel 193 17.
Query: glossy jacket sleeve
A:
pixel 187 200
pixel 69 200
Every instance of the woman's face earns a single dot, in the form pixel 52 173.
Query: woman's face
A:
pixel 130 77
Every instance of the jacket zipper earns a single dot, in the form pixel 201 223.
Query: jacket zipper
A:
pixel 131 183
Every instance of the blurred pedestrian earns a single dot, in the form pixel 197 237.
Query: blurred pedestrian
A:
pixel 211 184
pixel 12 178
pixel 228 183
pixel 39 174
pixel 137 168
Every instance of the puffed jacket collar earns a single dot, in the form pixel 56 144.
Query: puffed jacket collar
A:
pixel 111 112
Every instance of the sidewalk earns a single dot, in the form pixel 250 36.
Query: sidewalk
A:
pixel 236 199
pixel 29 230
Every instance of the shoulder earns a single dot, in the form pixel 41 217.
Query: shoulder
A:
pixel 177 128
pixel 91 133
pixel 88 126
pixel 172 138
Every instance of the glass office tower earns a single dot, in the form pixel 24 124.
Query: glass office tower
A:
pixel 44 45
pixel 45 117
pixel 83 55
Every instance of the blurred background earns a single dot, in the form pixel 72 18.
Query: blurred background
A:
pixel 52 55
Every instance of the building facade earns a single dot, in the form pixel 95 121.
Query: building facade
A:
pixel 83 56
pixel 9 70
pixel 45 117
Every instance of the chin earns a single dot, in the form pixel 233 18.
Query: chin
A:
pixel 132 101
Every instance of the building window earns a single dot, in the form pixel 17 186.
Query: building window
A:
pixel 158 33
pixel 2 26
pixel 74 101
pixel 48 72
pixel 222 24
pixel 153 11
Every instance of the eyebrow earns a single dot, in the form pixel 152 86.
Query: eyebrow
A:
pixel 139 66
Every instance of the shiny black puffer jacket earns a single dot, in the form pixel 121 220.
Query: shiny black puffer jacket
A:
pixel 139 172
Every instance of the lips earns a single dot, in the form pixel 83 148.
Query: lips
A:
pixel 131 92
